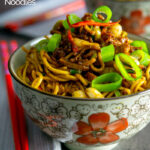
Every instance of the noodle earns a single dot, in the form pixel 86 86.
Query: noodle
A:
pixel 63 71
pixel 101 62
pixel 37 82
pixel 73 65
pixel 19 71
pixel 125 90
pixel 57 71
pixel 82 79
pixel 25 50
pixel 148 72
pixel 24 72
pixel 110 94
pixel 56 89
pixel 55 77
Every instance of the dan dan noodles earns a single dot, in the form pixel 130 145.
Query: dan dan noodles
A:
pixel 88 57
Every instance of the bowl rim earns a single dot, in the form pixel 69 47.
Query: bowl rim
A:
pixel 17 79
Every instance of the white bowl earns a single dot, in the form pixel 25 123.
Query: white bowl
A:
pixel 58 115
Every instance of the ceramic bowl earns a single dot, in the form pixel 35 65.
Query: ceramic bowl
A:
pixel 75 121
pixel 134 14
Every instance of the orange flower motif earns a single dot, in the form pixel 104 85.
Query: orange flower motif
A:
pixel 136 22
pixel 99 129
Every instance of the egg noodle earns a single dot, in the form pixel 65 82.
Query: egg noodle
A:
pixel 67 72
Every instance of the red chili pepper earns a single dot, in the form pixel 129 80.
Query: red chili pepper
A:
pixel 92 23
pixel 70 38
pixel 67 16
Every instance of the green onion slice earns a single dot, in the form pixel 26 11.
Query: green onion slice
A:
pixel 54 42
pixel 130 71
pixel 140 44
pixel 73 19
pixel 107 82
pixel 105 10
pixel 117 93
pixel 119 59
pixel 143 57
pixel 108 53
pixel 42 45
pixel 74 71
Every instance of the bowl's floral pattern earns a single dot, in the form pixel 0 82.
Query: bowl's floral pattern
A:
pixel 139 112
pixel 136 22
pixel 99 129
pixel 86 123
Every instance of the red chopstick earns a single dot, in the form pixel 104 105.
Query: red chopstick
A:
pixel 65 9
pixel 16 111
pixel 13 46
pixel 11 96
pixel 21 116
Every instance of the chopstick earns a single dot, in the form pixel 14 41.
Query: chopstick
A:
pixel 67 8
pixel 13 46
pixel 11 96
pixel 21 116
pixel 16 110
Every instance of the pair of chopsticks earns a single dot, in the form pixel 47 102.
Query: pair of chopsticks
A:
pixel 16 109
pixel 65 9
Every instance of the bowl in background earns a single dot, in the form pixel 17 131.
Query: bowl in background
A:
pixel 98 123
pixel 134 14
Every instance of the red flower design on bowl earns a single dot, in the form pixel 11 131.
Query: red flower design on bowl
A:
pixel 99 130
pixel 136 22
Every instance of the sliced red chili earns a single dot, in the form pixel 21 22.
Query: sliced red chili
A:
pixel 67 16
pixel 92 23
pixel 70 38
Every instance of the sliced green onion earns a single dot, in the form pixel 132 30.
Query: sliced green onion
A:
pixel 105 10
pixel 128 60
pixel 54 42
pixel 117 93
pixel 143 57
pixel 74 71
pixel 42 45
pixel 65 24
pixel 140 44
pixel 130 71
pixel 108 53
pixel 72 19
pixel 100 83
